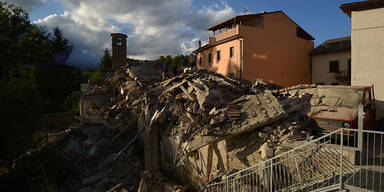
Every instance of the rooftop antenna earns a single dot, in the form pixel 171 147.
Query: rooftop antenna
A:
pixel 245 9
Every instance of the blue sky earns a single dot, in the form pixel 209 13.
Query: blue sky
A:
pixel 171 27
pixel 323 19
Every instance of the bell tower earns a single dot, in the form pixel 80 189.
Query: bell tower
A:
pixel 119 49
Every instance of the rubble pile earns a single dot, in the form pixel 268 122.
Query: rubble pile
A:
pixel 187 117
pixel 90 150
pixel 142 132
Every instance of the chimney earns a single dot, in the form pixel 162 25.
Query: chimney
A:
pixel 119 49
pixel 199 44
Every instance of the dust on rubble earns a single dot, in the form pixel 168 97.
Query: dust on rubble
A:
pixel 145 133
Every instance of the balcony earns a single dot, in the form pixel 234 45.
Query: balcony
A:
pixel 342 75
pixel 223 35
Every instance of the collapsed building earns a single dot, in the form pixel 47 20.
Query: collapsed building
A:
pixel 201 130
pixel 141 132
pixel 198 125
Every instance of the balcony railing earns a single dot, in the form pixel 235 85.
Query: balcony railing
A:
pixel 342 75
pixel 224 35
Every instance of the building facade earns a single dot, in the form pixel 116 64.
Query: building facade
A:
pixel 367 36
pixel 331 62
pixel 269 46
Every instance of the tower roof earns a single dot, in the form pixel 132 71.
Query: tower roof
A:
pixel 119 34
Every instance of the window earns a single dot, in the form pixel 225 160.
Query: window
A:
pixel 119 41
pixel 200 61
pixel 218 55
pixel 210 58
pixel 231 51
pixel 333 66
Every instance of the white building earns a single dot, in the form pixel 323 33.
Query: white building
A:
pixel 367 36
pixel 331 62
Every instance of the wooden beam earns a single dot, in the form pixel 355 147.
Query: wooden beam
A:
pixel 209 162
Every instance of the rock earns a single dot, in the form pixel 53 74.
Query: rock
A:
pixel 266 151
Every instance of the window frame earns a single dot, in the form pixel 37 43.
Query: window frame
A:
pixel 231 51
pixel 336 68
pixel 209 58
pixel 119 41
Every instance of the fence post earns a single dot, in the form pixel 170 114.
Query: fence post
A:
pixel 360 127
pixel 227 184
pixel 270 183
pixel 341 158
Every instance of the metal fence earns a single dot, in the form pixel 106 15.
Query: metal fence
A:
pixel 344 159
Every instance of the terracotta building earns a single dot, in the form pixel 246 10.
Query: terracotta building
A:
pixel 270 46
pixel 331 62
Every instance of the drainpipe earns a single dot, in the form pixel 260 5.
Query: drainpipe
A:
pixel 241 57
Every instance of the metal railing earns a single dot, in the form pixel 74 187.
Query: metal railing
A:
pixel 342 75
pixel 223 35
pixel 344 159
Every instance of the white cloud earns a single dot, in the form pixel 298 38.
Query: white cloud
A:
pixel 154 27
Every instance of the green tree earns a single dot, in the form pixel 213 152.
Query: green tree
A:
pixel 57 78
pixel 19 110
pixel 33 72
pixel 106 61
pixel 59 47
pixel 166 59
pixel 180 61
pixel 97 78
pixel 23 47
pixel 22 43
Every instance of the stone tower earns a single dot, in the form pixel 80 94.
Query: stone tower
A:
pixel 119 49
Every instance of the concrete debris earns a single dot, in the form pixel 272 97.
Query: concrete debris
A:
pixel 266 151
pixel 211 123
pixel 191 128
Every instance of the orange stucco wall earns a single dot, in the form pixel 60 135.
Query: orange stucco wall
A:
pixel 272 52
pixel 226 64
